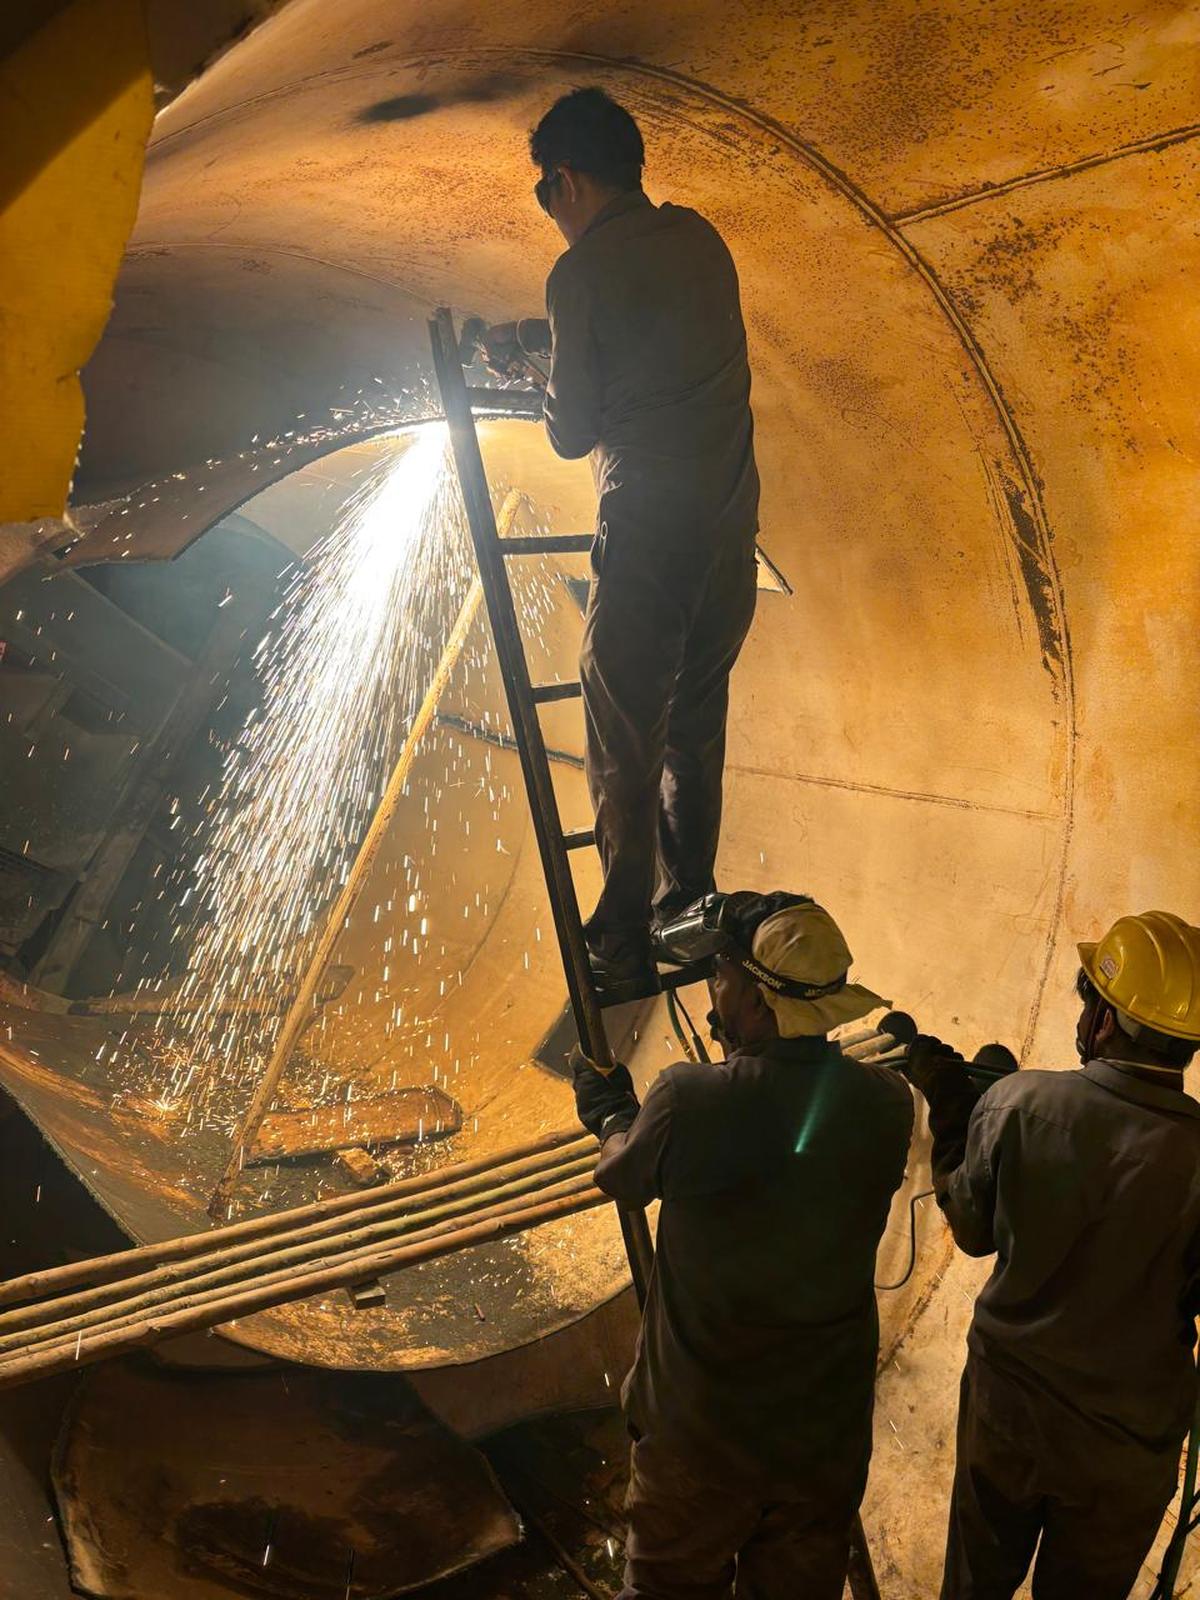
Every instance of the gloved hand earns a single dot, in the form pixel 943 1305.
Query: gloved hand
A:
pixel 605 1105
pixel 940 1073
pixel 927 1062
pixel 499 347
pixel 506 348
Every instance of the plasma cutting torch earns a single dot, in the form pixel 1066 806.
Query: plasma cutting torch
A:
pixel 511 350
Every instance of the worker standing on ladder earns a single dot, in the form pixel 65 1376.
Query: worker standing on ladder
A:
pixel 751 1396
pixel 1079 1384
pixel 648 375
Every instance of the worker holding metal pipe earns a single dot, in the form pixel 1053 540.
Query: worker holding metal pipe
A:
pixel 1079 1385
pixel 649 376
pixel 750 1400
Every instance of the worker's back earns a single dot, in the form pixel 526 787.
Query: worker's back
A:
pixel 1088 1185
pixel 776 1171
pixel 656 371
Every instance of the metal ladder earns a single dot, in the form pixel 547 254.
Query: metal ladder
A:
pixel 459 404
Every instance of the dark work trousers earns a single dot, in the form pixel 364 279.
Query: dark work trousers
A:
pixel 1030 1467
pixel 664 625
pixel 698 1537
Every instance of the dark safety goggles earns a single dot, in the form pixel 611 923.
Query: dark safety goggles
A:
pixel 543 189
pixel 725 925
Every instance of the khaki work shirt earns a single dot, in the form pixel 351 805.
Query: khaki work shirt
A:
pixel 649 373
pixel 776 1171
pixel 1086 1184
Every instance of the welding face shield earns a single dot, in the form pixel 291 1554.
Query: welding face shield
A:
pixel 807 940
pixel 725 925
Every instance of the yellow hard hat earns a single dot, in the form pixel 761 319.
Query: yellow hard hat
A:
pixel 1148 968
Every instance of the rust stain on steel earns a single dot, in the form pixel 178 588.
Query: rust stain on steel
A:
pixel 405 1117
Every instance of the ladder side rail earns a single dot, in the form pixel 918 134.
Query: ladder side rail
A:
pixel 518 689
pixel 535 766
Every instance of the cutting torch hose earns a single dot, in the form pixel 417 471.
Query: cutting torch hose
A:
pixel 693 1050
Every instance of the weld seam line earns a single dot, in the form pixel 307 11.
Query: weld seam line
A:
pixel 1146 146
pixel 921 796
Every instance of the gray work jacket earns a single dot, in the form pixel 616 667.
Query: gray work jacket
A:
pixel 775 1170
pixel 1086 1184
pixel 649 373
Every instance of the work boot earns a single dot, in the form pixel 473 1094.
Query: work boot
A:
pixel 622 969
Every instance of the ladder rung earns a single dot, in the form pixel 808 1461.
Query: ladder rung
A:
pixel 548 544
pixel 578 838
pixel 544 692
pixel 516 402
pixel 607 1002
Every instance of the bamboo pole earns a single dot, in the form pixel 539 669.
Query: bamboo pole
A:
pixel 868 1040
pixel 110 1342
pixel 300 1012
pixel 520 1176
pixel 249 1260
pixel 863 1051
pixel 210 1287
pixel 534 1156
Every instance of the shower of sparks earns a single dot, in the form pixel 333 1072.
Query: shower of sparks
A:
pixel 342 670
pixel 259 855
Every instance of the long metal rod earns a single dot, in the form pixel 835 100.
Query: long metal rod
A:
pixel 300 1012
pixel 514 670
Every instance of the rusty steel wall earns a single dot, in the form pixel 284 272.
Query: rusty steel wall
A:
pixel 964 234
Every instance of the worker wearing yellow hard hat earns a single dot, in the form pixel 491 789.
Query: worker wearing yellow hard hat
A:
pixel 1147 969
pixel 1080 1384
pixel 751 1395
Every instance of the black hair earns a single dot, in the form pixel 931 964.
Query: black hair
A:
pixel 1165 1047
pixel 593 134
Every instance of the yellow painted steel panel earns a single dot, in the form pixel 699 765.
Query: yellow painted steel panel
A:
pixel 76 103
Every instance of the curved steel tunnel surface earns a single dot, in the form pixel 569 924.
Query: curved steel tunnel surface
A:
pixel 962 232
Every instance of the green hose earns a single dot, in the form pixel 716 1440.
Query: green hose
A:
pixel 694 1051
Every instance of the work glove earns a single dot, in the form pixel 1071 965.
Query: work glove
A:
pixel 927 1061
pixel 499 347
pixel 940 1073
pixel 507 347
pixel 604 1104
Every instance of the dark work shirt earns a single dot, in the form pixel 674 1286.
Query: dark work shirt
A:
pixel 1086 1184
pixel 776 1171
pixel 649 373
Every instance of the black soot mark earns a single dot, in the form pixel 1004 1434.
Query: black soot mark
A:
pixel 1034 575
pixel 477 91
